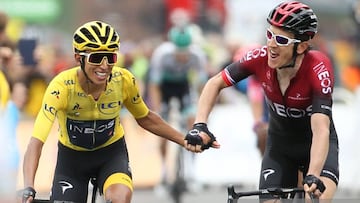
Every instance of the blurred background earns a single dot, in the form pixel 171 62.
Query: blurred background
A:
pixel 222 27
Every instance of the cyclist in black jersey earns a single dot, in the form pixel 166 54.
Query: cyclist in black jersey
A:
pixel 86 101
pixel 298 85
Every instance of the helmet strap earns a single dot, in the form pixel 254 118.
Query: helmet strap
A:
pixel 293 60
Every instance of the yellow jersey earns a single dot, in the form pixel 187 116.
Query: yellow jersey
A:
pixel 86 124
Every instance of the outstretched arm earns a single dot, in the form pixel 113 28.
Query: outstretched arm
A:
pixel 156 125
pixel 208 97
pixel 206 103
pixel 30 165
pixel 153 123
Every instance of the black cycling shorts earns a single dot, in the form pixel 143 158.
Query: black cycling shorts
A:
pixel 280 169
pixel 74 169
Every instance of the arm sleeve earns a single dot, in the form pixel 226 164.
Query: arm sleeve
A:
pixel 251 63
pixel 323 86
pixel 234 73
pixel 133 102
pixel 55 98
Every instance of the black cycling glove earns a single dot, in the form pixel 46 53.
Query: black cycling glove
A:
pixel 310 179
pixel 193 136
pixel 28 192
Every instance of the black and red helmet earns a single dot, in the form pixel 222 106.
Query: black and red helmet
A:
pixel 295 17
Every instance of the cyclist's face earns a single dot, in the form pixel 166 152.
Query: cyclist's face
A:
pixel 279 52
pixel 98 65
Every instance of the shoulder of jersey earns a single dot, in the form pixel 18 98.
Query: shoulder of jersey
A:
pixel 316 56
pixel 118 72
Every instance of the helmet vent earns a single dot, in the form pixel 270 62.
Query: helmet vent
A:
pixel 78 39
pixel 88 34
pixel 91 45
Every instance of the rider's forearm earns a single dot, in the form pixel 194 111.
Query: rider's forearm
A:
pixel 156 125
pixel 318 154
pixel 31 161
pixel 320 143
pixel 208 98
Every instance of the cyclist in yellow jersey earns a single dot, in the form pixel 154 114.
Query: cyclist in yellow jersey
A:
pixel 86 100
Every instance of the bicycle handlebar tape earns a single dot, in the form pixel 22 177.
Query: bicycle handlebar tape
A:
pixel 310 179
pixel 202 127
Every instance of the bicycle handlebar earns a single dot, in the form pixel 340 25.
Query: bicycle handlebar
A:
pixel 234 196
pixel 40 201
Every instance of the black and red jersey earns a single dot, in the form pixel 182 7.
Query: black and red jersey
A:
pixel 310 91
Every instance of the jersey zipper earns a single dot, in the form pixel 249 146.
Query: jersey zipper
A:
pixel 279 88
pixel 283 96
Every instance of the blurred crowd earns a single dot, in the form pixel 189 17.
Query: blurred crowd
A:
pixel 50 58
pixel 27 73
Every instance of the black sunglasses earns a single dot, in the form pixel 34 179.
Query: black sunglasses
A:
pixel 96 58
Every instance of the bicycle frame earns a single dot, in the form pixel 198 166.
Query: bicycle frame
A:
pixel 179 185
pixel 277 193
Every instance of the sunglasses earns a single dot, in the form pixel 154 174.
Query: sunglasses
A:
pixel 96 58
pixel 280 40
